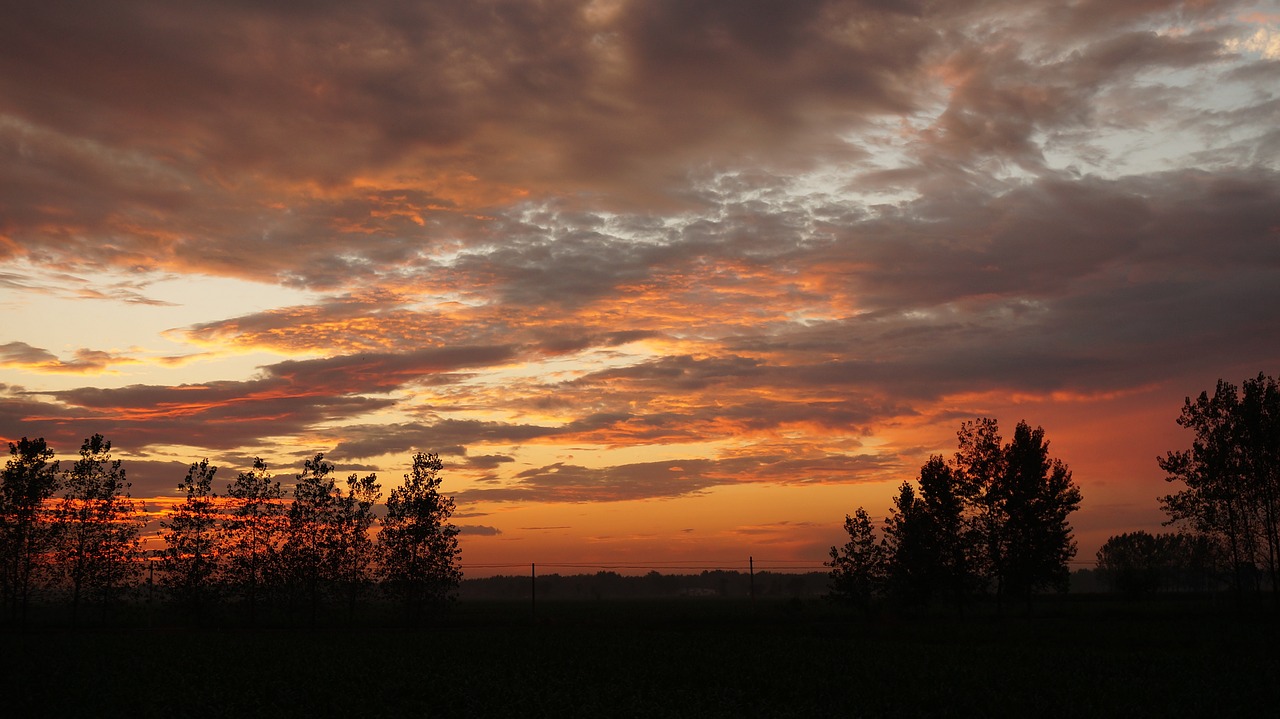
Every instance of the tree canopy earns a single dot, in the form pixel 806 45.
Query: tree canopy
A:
pixel 27 535
pixel 994 518
pixel 1231 476
pixel 98 525
pixel 420 551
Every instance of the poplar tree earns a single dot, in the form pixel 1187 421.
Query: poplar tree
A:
pixel 993 518
pixel 252 533
pixel 1231 476
pixel 190 559
pixel 420 553
pixel 98 526
pixel 954 560
pixel 1017 501
pixel 27 533
pixel 306 558
pixel 910 548
pixel 353 550
pixel 1036 495
pixel 976 470
pixel 857 568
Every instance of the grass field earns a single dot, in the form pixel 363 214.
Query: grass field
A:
pixel 668 658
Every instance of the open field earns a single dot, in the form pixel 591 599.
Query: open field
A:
pixel 668 658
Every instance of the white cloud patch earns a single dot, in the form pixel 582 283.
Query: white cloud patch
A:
pixel 1264 42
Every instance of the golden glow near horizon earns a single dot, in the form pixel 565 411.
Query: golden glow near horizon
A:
pixel 660 282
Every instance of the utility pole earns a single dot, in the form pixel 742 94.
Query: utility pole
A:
pixel 751 566
pixel 533 590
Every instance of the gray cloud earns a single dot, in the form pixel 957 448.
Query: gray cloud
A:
pixel 562 482
pixel 790 225
pixel 554 93
pixel 554 99
pixel 290 397
pixel 571 483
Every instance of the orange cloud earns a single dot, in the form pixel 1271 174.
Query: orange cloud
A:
pixel 87 362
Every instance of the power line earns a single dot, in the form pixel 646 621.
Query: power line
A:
pixel 670 565
pixel 687 564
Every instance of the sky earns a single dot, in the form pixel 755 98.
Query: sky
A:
pixel 664 283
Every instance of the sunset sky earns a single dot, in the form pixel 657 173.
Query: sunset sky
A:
pixel 664 283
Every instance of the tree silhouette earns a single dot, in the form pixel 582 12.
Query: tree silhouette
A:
pixel 1232 476
pixel 1131 563
pixel 98 525
pixel 353 550
pixel 1258 435
pixel 943 504
pixel 977 468
pixel 420 551
pixel 1036 494
pixel 1018 502
pixel 307 554
pixel 27 534
pixel 995 517
pixel 914 569
pixel 190 559
pixel 1137 563
pixel 252 534
pixel 857 568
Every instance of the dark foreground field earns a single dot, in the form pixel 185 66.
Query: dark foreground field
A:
pixel 668 658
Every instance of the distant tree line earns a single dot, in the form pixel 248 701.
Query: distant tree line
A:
pixel 1137 563
pixel 990 521
pixel 1227 514
pixel 74 535
pixel 604 585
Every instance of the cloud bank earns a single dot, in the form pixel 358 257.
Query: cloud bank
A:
pixel 601 251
